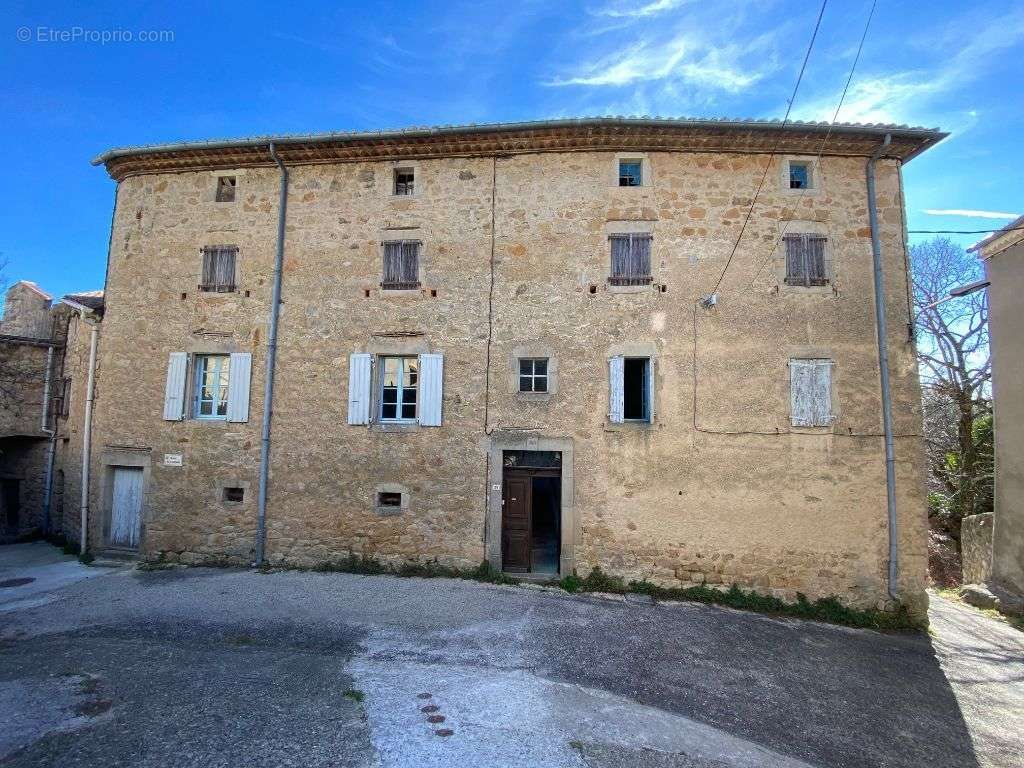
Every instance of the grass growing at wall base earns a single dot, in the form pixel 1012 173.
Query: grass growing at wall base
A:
pixel 826 609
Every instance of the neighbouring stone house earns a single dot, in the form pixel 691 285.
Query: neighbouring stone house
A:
pixel 492 346
pixel 1003 564
pixel 44 350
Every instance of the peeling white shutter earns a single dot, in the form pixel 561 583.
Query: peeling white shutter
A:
pixel 359 377
pixel 239 375
pixel 811 392
pixel 174 392
pixel 431 394
pixel 616 387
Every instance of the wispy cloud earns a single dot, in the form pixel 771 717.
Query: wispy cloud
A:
pixel 910 94
pixel 682 58
pixel 620 11
pixel 969 213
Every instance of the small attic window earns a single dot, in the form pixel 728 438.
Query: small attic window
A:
pixel 234 495
pixel 800 175
pixel 389 499
pixel 405 181
pixel 225 189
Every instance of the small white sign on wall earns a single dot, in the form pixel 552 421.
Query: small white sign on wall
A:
pixel 172 459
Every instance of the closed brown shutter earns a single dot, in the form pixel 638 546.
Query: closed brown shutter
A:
pixel 401 265
pixel 631 259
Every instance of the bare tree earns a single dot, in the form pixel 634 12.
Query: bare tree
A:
pixel 955 367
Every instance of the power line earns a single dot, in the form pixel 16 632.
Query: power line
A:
pixel 960 231
pixel 778 140
pixel 821 148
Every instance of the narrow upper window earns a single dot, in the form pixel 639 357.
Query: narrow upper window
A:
pixel 631 259
pixel 533 374
pixel 212 374
pixel 405 181
pixel 401 265
pixel 65 398
pixel 799 175
pixel 234 495
pixel 399 377
pixel 631 173
pixel 218 268
pixel 225 189
pixel 810 384
pixel 805 259
pixel 389 499
pixel 636 388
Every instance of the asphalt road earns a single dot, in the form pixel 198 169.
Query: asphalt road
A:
pixel 211 667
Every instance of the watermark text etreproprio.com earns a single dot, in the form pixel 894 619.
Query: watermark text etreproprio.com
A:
pixel 78 34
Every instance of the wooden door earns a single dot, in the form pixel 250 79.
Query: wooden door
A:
pixel 515 523
pixel 126 509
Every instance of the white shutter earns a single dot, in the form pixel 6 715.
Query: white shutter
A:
pixel 239 374
pixel 810 392
pixel 616 387
pixel 359 378
pixel 174 392
pixel 431 395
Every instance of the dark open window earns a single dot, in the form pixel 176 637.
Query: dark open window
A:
pixel 405 181
pixel 631 259
pixel 401 265
pixel 234 495
pixel 219 268
pixel 225 189
pixel 389 499
pixel 805 260
pixel 636 388
pixel 630 173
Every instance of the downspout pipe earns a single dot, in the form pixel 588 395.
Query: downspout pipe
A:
pixel 90 390
pixel 883 367
pixel 52 435
pixel 268 387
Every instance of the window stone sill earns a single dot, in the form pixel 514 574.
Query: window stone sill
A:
pixel 645 288
pixel 388 511
pixel 630 426
pixel 394 427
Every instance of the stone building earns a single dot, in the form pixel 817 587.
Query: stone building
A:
pixel 492 345
pixel 998 558
pixel 44 350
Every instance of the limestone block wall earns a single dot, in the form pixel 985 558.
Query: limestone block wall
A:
pixel 719 489
pixel 976 548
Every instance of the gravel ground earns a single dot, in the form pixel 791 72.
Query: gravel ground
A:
pixel 211 667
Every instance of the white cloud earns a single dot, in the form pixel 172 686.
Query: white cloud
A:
pixel 680 58
pixel 969 213
pixel 909 95
pixel 636 12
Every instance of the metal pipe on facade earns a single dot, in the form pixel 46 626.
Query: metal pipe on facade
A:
pixel 883 366
pixel 52 434
pixel 268 387
pixel 90 387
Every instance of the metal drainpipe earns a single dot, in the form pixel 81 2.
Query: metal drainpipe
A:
pixel 90 388
pixel 268 388
pixel 883 365
pixel 52 434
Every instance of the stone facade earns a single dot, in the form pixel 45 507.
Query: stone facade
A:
pixel 1003 255
pixel 720 488
pixel 31 325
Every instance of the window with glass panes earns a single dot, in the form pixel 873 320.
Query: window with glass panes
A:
pixel 631 173
pixel 212 373
pixel 398 379
pixel 533 374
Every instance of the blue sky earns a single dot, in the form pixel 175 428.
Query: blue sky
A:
pixel 259 68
